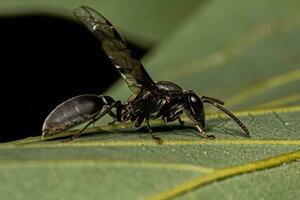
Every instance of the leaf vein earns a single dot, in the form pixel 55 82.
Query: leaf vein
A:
pixel 105 163
pixel 221 174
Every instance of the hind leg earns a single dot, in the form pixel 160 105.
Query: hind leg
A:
pixel 157 139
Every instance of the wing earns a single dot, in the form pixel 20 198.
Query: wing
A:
pixel 116 48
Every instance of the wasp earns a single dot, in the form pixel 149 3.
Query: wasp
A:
pixel 150 100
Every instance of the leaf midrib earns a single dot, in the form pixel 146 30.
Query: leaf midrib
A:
pixel 152 143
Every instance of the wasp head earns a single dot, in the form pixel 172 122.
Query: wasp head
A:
pixel 194 108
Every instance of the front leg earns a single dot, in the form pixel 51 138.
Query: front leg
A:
pixel 201 130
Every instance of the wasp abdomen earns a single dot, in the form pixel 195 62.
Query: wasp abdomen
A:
pixel 72 112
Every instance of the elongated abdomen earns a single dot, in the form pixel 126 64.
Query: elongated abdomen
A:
pixel 72 112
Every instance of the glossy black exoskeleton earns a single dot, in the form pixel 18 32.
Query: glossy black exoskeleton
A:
pixel 150 100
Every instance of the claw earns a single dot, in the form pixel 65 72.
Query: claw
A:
pixel 204 134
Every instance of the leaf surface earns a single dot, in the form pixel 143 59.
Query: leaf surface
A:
pixel 128 161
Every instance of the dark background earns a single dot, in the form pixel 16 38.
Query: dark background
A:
pixel 45 61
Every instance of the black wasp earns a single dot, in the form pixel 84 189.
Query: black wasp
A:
pixel 150 100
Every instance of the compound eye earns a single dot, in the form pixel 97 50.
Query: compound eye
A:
pixel 195 103
pixel 196 109
pixel 193 99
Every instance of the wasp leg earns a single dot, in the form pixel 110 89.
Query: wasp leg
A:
pixel 119 107
pixel 157 139
pixel 181 122
pixel 117 104
pixel 139 120
pixel 201 130
pixel 113 116
pixel 173 115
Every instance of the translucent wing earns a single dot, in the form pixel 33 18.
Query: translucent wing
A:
pixel 116 48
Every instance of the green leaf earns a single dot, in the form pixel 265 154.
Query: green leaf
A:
pixel 130 162
pixel 244 52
